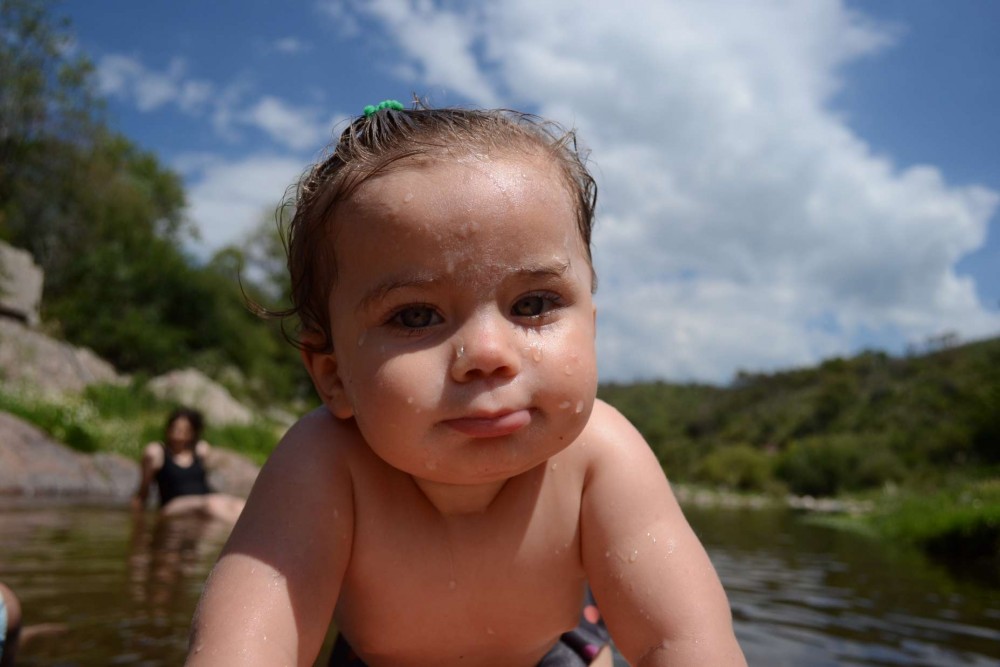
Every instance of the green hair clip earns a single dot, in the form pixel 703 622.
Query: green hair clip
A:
pixel 384 104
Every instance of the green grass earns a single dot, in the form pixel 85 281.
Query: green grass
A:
pixel 122 419
pixel 963 521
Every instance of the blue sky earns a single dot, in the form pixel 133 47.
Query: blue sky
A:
pixel 781 181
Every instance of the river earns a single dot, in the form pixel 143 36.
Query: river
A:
pixel 101 589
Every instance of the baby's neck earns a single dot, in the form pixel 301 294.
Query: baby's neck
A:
pixel 460 499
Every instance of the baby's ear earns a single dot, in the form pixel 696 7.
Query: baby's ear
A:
pixel 322 367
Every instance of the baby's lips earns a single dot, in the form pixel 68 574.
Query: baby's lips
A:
pixel 491 426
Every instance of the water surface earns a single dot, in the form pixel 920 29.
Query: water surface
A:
pixel 112 591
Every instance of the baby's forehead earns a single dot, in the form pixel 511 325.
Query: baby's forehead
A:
pixel 459 176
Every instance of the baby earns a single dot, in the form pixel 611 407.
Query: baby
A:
pixel 462 491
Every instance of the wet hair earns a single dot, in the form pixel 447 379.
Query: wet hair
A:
pixel 194 418
pixel 374 144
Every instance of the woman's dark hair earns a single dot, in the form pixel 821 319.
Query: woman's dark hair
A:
pixel 371 145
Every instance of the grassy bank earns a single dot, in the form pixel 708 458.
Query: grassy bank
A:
pixel 962 521
pixel 122 419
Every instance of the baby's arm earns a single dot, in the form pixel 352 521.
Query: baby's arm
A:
pixel 270 598
pixel 657 590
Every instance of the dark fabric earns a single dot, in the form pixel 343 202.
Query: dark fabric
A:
pixel 174 480
pixel 576 648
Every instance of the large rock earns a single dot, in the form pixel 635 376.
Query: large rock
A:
pixel 31 464
pixel 20 285
pixel 32 360
pixel 229 472
pixel 193 388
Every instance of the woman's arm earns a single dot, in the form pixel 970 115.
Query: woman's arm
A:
pixel 653 581
pixel 203 450
pixel 270 598
pixel 152 461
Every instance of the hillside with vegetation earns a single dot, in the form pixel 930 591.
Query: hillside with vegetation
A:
pixel 848 425
pixel 917 435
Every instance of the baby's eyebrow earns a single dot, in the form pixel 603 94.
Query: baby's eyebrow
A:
pixel 555 269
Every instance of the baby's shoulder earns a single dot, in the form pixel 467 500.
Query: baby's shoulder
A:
pixel 607 427
pixel 321 443
pixel 607 435
pixel 320 437
pixel 312 460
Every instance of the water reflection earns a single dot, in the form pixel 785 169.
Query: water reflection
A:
pixel 809 595
pixel 166 558
pixel 803 595
pixel 123 589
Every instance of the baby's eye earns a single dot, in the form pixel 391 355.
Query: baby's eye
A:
pixel 533 305
pixel 416 317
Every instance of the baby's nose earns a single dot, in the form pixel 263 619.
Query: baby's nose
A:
pixel 486 346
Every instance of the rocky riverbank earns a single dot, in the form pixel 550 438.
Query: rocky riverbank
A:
pixel 33 466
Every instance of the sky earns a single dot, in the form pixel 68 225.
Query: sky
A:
pixel 780 181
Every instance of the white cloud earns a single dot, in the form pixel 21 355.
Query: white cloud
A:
pixel 127 77
pixel 293 127
pixel 228 108
pixel 440 44
pixel 289 45
pixel 228 198
pixel 742 223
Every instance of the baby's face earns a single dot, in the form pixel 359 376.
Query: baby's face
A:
pixel 462 317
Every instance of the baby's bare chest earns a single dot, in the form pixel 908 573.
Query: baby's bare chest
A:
pixel 419 583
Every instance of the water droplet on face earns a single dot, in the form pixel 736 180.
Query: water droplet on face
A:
pixel 607 554
pixel 536 352
pixel 565 405
pixel 579 407
pixel 633 556
pixel 409 400
pixel 361 338
pixel 460 351
pixel 408 197
pixel 568 370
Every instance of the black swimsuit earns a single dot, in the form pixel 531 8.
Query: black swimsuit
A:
pixel 174 480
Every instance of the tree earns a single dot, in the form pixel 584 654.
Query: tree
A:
pixel 105 221
pixel 46 103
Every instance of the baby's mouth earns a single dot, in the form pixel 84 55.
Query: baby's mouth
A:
pixel 491 426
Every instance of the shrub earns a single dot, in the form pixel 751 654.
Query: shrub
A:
pixel 962 522
pixel 112 400
pixel 71 422
pixel 256 440
pixel 739 467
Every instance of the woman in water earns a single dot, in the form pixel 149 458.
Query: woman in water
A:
pixel 177 465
